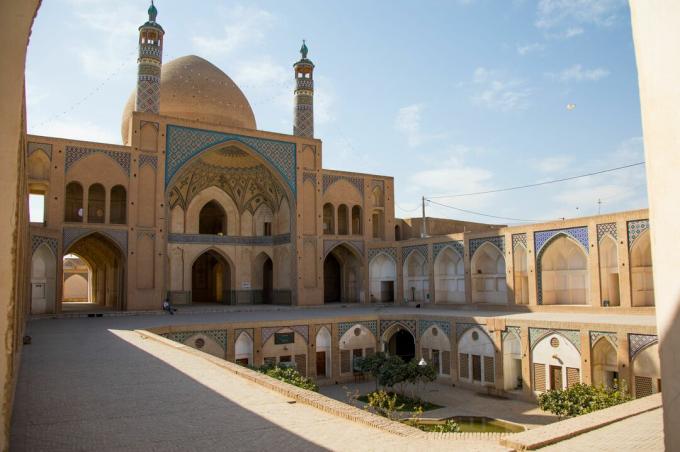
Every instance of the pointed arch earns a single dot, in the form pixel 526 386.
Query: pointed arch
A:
pixel 211 277
pixel 416 279
pixel 476 357
pixel 435 348
pixel 488 275
pixel 382 272
pixel 564 278
pixel 556 362
pixel 604 362
pixel 243 349
pixel 399 340
pixel 219 197
pixel 641 278
pixel 512 361
pixel 609 271
pixel 43 280
pixel 343 274
pixel 323 344
pixel 520 268
pixel 449 276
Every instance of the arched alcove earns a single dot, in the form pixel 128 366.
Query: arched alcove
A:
pixel 399 341
pixel 641 280
pixel 556 363
pixel 43 280
pixel 323 353
pixel 512 362
pixel 488 275
pixel 435 349
pixel 73 204
pixel 356 221
pixel 564 272
pixel 416 281
pixel 520 264
pixel 343 220
pixel 382 272
pixel 476 357
pixel 609 272
pixel 212 219
pixel 96 204
pixel 358 341
pixel 449 277
pixel 243 349
pixel 605 366
pixel 342 275
pixel 328 219
pixel 118 205
pixel 211 279
pixel 646 371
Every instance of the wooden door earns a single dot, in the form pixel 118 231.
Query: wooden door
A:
pixel 356 353
pixel 555 377
pixel 320 364
pixel 476 368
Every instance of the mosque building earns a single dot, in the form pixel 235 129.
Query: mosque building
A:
pixel 201 206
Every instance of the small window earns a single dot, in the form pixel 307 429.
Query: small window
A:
pixel 284 338
pixel 267 229
pixel 36 207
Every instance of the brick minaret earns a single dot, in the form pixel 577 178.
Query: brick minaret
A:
pixel 149 64
pixel 303 125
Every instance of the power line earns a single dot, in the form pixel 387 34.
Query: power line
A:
pixel 554 181
pixel 486 214
pixel 407 210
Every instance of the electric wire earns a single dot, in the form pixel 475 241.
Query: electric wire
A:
pixel 486 214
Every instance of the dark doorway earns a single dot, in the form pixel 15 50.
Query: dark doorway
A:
pixel 402 345
pixel 212 219
pixel 210 279
pixel 268 282
pixel 555 377
pixel 320 364
pixel 331 280
pixel 476 368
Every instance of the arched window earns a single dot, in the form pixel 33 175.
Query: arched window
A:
pixel 117 212
pixel 328 219
pixel 378 220
pixel 356 220
pixel 642 283
pixel 343 220
pixel 564 272
pixel 212 219
pixel 96 203
pixel 609 272
pixel 73 207
pixel 397 233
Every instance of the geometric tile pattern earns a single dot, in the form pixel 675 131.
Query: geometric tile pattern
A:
pixel 407 250
pixel 455 244
pixel 303 126
pixel 329 245
pixel 47 148
pixel 580 234
pixel 76 153
pixel 37 240
pixel 117 235
pixel 220 336
pixel 499 242
pixel 410 325
pixel 536 334
pixel 543 238
pixel 635 228
pixel 302 330
pixel 248 331
pixel 229 239
pixel 443 325
pixel 461 328
pixel 512 329
pixel 370 325
pixel 183 143
pixel 372 252
pixel 309 175
pixel 606 228
pixel 330 179
pixel 519 239
pixel 596 335
pixel 145 159
pixel 637 342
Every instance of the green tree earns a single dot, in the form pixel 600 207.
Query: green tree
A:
pixel 582 398
pixel 372 365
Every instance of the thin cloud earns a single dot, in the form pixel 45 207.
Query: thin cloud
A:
pixel 563 18
pixel 496 92
pixel 577 73
pixel 552 164
pixel 526 49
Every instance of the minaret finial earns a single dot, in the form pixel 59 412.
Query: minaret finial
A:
pixel 153 12
pixel 304 50
pixel 303 121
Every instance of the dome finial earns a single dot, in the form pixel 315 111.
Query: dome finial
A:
pixel 304 50
pixel 153 12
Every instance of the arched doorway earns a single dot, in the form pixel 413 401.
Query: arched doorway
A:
pixel 564 272
pixel 401 343
pixel 102 261
pixel 641 281
pixel 323 353
pixel 556 363
pixel 476 357
pixel 646 371
pixel 263 279
pixel 243 349
pixel 383 274
pixel 435 348
pixel 609 271
pixel 512 362
pixel 43 280
pixel 210 279
pixel 357 342
pixel 342 274
pixel 449 282
pixel 488 275
pixel 416 281
pixel 212 219
pixel 605 363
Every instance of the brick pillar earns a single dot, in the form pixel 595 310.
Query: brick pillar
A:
pixel 230 352
pixel 257 347
pixel 625 366
pixel 527 386
pixel 586 359
pixel 531 270
pixel 335 353
pixel 454 352
pixel 595 294
pixel 311 351
pixel 624 264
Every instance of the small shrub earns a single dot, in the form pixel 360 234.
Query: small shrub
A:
pixel 289 375
pixel 450 426
pixel 582 398
pixel 383 404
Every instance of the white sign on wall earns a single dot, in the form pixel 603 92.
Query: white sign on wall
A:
pixel 245 285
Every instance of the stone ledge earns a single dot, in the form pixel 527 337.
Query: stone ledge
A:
pixel 568 428
pixel 311 398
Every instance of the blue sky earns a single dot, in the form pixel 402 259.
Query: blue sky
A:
pixel 446 96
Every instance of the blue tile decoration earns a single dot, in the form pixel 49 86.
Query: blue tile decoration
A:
pixel 38 240
pixel 214 239
pixel 512 329
pixel 146 233
pixel 637 342
pixel 443 325
pixel 410 325
pixel 407 250
pixel 519 239
pixel 309 176
pixel 183 143
pixel 635 228
pixel 457 245
pixel 373 252
pixel 71 235
pixel 146 159
pixel 543 238
pixel 302 330
pixel 330 179
pixel 606 228
pixel 461 328
pixel 357 245
pixel 76 153
pixel 32 147
pixel 536 334
pixel 596 335
pixel 370 325
pixel 498 242
pixel 220 336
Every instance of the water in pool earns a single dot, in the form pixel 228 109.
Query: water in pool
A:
pixel 477 424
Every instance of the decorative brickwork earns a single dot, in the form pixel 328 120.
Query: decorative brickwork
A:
pixel 309 176
pixel 489 376
pixel 71 235
pixel 229 239
pixel 328 245
pixel 536 334
pixel 46 148
pixel 373 252
pixel 596 335
pixel 330 179
pixel 407 250
pixel 457 245
pixel 37 240
pixel 498 242
pixel 573 376
pixel 512 329
pixel 635 228
pixel 443 326
pixel 302 330
pixel 410 325
pixel 637 342
pixel 606 228
pixel 519 239
pixel 643 386
pixel 248 331
pixel 461 328
pixel 151 160
pixel 370 325
pixel 77 153
pixel 220 336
